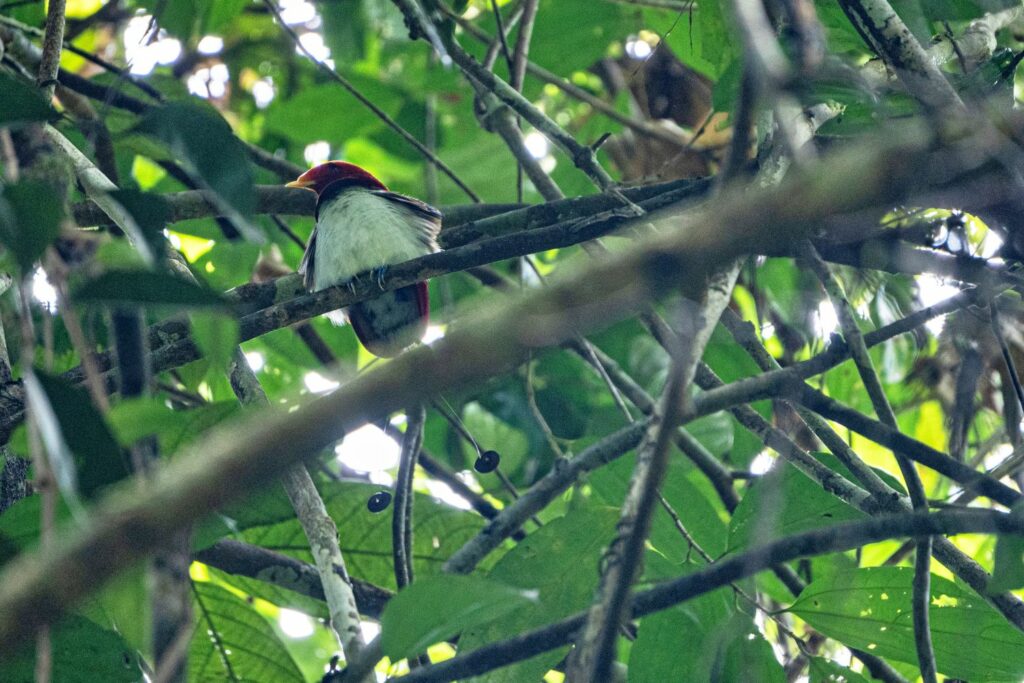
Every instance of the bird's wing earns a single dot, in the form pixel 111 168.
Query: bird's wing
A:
pixel 308 262
pixel 428 219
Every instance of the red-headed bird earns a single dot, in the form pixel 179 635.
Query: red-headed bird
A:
pixel 362 226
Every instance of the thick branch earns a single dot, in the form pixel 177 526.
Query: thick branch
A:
pixel 129 523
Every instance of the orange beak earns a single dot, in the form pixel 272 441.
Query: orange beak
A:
pixel 299 182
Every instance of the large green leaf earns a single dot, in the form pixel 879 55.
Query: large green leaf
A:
pixel 365 537
pixel 201 140
pixel 328 112
pixel 443 606
pixel 697 516
pixel 561 561
pixel 187 18
pixel 1008 573
pixel 83 652
pixel 21 103
pixel 870 609
pixel 30 220
pixel 234 642
pixel 100 459
pixel 702 640
pixel 344 29
pixel 786 502
pixel 147 288
pixel 19 526
pixel 595 25
pixel 822 670
pixel 703 39
pixel 216 335
pixel 272 593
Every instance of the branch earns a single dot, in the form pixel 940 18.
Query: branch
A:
pixel 277 199
pixel 320 529
pixel 788 381
pixel 595 651
pixel 912 448
pixel 244 559
pixel 131 521
pixel 834 538
pixel 890 38
pixel 648 128
pixel 582 157
pixel 49 61
pixel 401 518
pixel 284 301
pixel 886 499
pixel 369 104
pixel 880 402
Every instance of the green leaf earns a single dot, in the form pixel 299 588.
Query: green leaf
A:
pixel 327 112
pixel 151 213
pixel 30 220
pixel 83 652
pixel 344 29
pixel 561 560
pixel 703 40
pixel 272 593
pixel 147 288
pixel 594 26
pixel 705 639
pixel 365 538
pixel 99 458
pixel 219 13
pixel 125 604
pixel 186 18
pixel 441 607
pixel 217 337
pixel 138 418
pixel 696 514
pixel 1008 573
pixel 786 502
pixel 22 104
pixel 19 526
pixel 201 140
pixel 234 642
pixel 670 644
pixel 870 609
pixel 821 670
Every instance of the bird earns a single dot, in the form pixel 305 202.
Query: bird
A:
pixel 362 226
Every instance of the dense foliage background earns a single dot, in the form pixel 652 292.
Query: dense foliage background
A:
pixel 146 232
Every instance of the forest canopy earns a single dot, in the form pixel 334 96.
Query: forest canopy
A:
pixel 715 315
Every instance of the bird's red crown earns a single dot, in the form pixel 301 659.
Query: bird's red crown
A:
pixel 328 173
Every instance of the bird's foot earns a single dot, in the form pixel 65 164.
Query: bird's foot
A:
pixel 379 274
pixel 351 284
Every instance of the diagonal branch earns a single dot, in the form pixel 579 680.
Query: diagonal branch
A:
pixel 833 538
pixel 919 499
pixel 38 585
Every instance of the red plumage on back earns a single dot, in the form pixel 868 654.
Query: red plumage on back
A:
pixel 362 226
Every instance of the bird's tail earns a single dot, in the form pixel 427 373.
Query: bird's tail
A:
pixel 393 321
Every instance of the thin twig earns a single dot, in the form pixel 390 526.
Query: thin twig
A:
pixel 582 156
pixel 401 519
pixel 369 104
pixel 865 368
pixel 834 538
pixel 595 652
